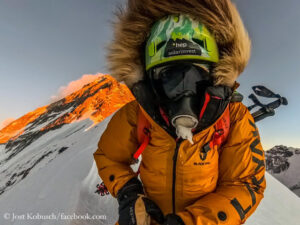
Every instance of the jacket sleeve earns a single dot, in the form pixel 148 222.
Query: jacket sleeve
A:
pixel 241 181
pixel 116 147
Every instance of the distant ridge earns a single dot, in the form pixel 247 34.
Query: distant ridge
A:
pixel 95 101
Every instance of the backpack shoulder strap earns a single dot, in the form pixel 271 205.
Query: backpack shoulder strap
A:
pixel 143 126
pixel 222 128
pixel 143 134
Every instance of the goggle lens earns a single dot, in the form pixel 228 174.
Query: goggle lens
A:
pixel 177 80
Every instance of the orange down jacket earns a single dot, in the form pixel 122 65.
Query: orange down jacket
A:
pixel 225 188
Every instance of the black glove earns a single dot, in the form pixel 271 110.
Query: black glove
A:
pixel 134 207
pixel 173 219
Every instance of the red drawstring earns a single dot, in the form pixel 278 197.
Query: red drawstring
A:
pixel 143 145
pixel 142 148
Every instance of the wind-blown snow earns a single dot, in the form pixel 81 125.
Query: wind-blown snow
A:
pixel 65 183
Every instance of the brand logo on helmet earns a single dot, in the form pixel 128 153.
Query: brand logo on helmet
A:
pixel 181 47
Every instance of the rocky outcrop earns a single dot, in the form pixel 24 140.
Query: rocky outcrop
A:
pixel 284 164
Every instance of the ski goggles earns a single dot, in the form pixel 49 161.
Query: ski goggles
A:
pixel 174 81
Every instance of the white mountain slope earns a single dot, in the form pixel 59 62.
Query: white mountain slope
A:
pixel 64 183
pixel 53 186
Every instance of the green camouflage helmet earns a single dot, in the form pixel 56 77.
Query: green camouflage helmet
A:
pixel 179 37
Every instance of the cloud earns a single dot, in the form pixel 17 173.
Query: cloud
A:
pixel 74 86
pixel 6 122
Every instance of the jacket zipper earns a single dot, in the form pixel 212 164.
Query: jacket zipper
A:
pixel 174 174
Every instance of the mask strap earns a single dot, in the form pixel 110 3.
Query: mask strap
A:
pixel 207 100
pixel 164 116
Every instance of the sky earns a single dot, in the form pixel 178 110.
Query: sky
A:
pixel 45 45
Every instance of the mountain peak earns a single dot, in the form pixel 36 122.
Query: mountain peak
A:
pixel 94 101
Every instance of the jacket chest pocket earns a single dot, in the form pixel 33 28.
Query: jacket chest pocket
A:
pixel 203 157
pixel 199 172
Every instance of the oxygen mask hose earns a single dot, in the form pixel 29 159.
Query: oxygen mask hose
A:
pixel 184 125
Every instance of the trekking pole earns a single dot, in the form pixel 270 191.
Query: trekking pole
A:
pixel 265 110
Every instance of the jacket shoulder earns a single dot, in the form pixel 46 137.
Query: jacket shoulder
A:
pixel 129 112
pixel 238 111
pixel 129 106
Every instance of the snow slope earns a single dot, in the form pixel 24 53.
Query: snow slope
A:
pixel 53 186
pixel 65 183
pixel 279 206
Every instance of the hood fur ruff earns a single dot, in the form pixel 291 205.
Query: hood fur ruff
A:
pixel 125 53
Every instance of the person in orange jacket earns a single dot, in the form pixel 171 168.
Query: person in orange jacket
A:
pixel 204 163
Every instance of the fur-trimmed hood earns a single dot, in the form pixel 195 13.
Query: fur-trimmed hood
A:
pixel 125 52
